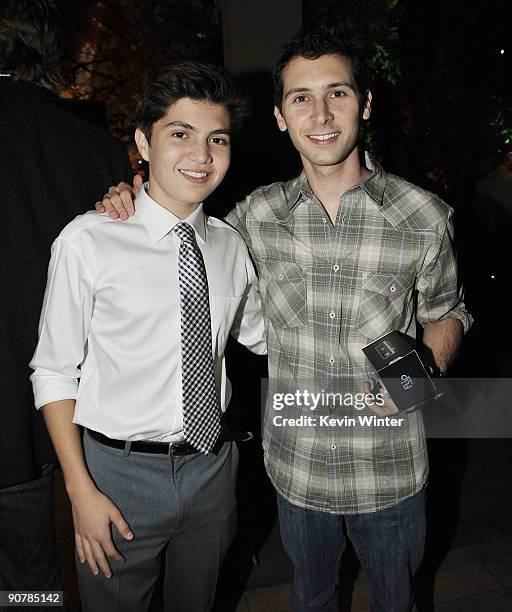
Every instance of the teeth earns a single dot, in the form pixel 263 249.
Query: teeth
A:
pixel 325 136
pixel 194 174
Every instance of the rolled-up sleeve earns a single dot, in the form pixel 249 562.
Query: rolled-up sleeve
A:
pixel 440 296
pixel 63 326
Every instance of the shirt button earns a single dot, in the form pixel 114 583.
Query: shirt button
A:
pixel 331 360
pixel 393 288
pixel 333 447
pixel 332 315
pixel 281 276
pixel 324 220
pixel 335 267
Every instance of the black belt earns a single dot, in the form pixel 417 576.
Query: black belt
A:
pixel 173 449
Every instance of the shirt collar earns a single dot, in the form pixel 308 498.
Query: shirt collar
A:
pixel 298 188
pixel 159 221
pixel 374 185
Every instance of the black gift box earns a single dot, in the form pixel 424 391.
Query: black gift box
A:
pixel 400 370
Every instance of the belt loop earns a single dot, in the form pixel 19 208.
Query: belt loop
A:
pixel 127 446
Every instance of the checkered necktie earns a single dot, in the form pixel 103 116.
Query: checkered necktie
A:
pixel 201 416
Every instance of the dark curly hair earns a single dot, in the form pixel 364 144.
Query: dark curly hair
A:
pixel 30 43
pixel 325 40
pixel 189 79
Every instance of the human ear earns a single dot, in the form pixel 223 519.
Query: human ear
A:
pixel 367 111
pixel 142 144
pixel 281 123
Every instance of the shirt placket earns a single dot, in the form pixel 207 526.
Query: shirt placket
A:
pixel 340 240
pixel 327 253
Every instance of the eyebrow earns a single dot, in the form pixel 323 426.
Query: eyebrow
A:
pixel 190 127
pixel 330 86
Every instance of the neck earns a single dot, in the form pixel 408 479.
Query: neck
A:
pixel 329 183
pixel 181 209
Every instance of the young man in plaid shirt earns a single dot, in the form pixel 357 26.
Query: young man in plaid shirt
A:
pixel 345 253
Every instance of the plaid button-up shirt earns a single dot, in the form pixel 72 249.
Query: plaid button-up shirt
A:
pixel 327 291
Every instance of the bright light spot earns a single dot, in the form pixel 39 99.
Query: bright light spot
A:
pixel 502 51
pixel 492 276
pixel 140 161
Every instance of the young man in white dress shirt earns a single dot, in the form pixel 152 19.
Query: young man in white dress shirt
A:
pixel 154 481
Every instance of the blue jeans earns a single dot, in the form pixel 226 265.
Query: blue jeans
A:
pixel 389 544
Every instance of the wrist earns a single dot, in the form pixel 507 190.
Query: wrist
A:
pixel 78 488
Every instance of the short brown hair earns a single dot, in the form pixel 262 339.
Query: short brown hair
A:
pixel 325 40
pixel 189 79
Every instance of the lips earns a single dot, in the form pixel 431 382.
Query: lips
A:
pixel 194 176
pixel 323 139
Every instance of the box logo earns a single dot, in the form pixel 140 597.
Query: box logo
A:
pixel 407 382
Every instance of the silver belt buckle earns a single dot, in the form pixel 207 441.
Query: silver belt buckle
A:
pixel 172 446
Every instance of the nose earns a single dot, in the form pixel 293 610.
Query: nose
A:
pixel 322 112
pixel 200 152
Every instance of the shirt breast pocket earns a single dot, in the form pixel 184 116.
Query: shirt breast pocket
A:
pixel 383 305
pixel 283 287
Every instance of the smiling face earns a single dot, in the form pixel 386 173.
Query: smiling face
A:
pixel 189 154
pixel 321 109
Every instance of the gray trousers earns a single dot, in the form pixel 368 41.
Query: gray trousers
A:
pixel 182 511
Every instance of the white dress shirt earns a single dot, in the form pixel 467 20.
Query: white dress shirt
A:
pixel 109 334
